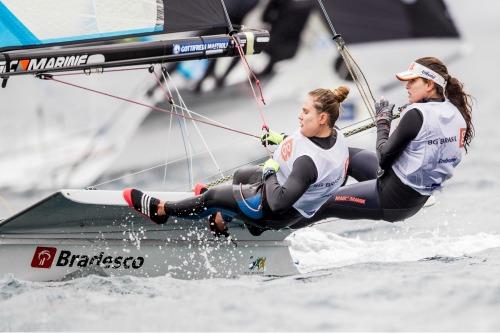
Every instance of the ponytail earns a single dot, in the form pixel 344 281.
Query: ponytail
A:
pixel 455 93
pixel 328 101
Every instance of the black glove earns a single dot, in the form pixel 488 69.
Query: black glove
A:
pixel 383 111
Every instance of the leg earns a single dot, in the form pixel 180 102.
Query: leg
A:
pixel 363 164
pixel 250 174
pixel 216 199
pixel 360 201
pixel 219 198
pixel 353 202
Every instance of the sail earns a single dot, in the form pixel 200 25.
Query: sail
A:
pixel 25 24
pixel 28 23
pixel 361 21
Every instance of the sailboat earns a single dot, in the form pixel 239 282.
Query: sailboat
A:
pixel 76 232
pixel 72 233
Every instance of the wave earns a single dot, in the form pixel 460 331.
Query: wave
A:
pixel 315 249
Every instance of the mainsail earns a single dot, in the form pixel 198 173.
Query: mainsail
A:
pixel 29 28
pixel 26 23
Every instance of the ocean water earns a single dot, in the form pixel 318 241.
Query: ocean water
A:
pixel 437 271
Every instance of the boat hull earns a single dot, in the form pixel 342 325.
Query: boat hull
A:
pixel 74 233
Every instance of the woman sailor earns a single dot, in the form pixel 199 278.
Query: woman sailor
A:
pixel 417 158
pixel 305 171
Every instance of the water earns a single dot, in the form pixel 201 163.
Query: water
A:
pixel 437 271
pixel 437 293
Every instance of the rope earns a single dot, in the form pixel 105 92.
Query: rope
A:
pixel 353 67
pixel 155 108
pixel 251 75
pixel 346 134
pixel 217 166
pixel 358 77
pixel 168 145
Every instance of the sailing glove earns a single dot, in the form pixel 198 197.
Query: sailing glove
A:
pixel 383 111
pixel 272 138
pixel 269 168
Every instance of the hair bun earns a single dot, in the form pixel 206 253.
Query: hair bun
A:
pixel 340 93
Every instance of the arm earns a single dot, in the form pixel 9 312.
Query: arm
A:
pixel 281 198
pixel 389 148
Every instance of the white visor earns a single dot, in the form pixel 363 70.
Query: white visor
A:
pixel 416 70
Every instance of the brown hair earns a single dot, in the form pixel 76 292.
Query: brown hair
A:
pixel 328 101
pixel 454 92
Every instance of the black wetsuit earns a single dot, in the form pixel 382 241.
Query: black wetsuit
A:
pixel 377 198
pixel 377 195
pixel 276 201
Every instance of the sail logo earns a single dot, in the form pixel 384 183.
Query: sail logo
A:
pixel 189 48
pixel 43 257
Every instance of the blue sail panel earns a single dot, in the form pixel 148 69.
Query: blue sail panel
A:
pixel 12 31
pixel 36 23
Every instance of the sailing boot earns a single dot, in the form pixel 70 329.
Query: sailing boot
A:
pixel 144 204
pixel 200 188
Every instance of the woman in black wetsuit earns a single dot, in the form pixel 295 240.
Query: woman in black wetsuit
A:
pixel 416 158
pixel 305 170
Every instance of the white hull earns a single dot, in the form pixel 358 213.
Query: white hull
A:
pixel 76 232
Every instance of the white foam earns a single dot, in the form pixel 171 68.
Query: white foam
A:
pixel 316 249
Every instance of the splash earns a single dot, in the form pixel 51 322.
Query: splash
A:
pixel 315 249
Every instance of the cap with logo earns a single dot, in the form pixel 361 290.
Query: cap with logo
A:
pixel 417 70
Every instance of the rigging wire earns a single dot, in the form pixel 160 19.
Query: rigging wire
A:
pixel 352 66
pixel 155 108
pixel 172 113
pixel 251 75
pixel 169 98
pixel 188 149
pixel 207 121
pixel 217 166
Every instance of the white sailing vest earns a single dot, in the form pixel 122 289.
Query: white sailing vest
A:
pixel 432 156
pixel 331 165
